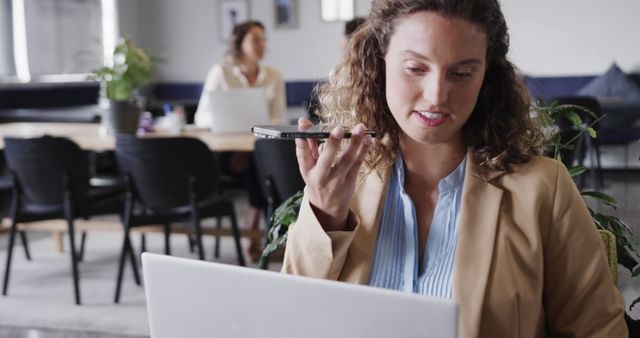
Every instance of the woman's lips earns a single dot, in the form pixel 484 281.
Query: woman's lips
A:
pixel 432 118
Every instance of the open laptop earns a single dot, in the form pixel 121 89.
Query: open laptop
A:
pixel 236 110
pixel 190 298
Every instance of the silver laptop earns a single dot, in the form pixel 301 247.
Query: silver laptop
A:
pixel 236 110
pixel 189 298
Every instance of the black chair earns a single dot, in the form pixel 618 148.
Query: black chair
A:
pixel 278 171
pixel 6 186
pixel 585 145
pixel 170 180
pixel 51 181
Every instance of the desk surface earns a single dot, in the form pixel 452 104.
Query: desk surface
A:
pixel 89 136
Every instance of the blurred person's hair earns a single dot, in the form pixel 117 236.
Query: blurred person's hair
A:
pixel 353 24
pixel 240 31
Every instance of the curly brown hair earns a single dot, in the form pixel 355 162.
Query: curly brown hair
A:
pixel 234 51
pixel 500 129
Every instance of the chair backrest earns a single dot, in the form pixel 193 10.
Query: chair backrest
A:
pixel 163 170
pixel 276 160
pixel 43 164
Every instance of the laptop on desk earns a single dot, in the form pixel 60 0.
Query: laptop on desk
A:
pixel 236 110
pixel 190 298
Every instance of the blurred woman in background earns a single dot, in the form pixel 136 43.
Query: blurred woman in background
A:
pixel 241 68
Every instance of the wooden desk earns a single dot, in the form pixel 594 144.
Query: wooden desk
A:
pixel 89 136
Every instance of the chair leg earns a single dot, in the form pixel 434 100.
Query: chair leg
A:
pixel 236 237
pixel 216 249
pixel 190 243
pixel 83 240
pixel 127 249
pixel 25 244
pixel 167 239
pixel 134 262
pixel 7 269
pixel 74 259
pixel 121 262
pixel 600 177
pixel 264 263
pixel 197 231
pixel 143 242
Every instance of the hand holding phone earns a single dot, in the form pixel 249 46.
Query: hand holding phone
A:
pixel 330 175
pixel 290 132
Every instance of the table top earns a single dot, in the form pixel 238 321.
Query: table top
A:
pixel 90 136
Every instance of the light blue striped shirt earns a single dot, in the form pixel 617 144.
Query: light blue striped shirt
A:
pixel 395 262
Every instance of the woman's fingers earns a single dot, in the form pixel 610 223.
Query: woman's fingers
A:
pixel 330 150
pixel 333 162
pixel 348 156
pixel 304 124
pixel 304 150
pixel 359 158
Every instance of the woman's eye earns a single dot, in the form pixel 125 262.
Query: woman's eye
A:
pixel 416 70
pixel 461 74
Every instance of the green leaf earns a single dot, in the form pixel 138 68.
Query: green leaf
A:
pixel 118 90
pixel 575 171
pixel 574 118
pixel 132 69
pixel 558 155
pixel 602 197
pixel 284 216
pixel 592 132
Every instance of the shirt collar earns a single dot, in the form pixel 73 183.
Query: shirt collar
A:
pixel 237 72
pixel 450 182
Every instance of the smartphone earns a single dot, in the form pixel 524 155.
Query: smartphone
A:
pixel 290 132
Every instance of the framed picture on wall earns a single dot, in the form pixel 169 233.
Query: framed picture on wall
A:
pixel 286 13
pixel 230 13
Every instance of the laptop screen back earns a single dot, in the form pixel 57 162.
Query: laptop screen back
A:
pixel 189 298
pixel 236 110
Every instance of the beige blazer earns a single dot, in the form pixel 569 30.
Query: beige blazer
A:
pixel 529 260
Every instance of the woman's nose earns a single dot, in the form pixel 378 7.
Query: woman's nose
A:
pixel 436 89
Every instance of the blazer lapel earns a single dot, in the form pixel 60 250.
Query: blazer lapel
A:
pixel 478 223
pixel 368 203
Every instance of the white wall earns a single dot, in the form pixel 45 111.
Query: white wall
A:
pixel 573 37
pixel 184 35
pixel 548 37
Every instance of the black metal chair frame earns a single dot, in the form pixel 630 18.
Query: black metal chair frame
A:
pixel 6 186
pixel 137 213
pixel 24 210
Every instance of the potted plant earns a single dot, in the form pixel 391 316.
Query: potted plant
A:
pixel 131 69
pixel 548 115
pixel 627 254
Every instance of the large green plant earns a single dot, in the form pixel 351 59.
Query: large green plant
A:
pixel 548 116
pixel 131 70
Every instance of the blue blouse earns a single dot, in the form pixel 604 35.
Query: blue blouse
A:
pixel 395 262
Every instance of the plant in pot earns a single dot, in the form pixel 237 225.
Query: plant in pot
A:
pixel 131 70
pixel 627 254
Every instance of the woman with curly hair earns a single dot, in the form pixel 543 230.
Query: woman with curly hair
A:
pixel 452 199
